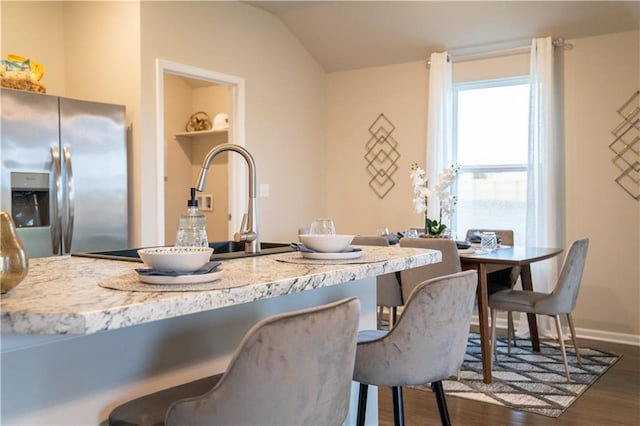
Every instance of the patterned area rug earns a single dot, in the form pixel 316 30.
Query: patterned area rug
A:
pixel 527 380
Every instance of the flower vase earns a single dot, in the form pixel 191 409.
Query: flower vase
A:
pixel 434 224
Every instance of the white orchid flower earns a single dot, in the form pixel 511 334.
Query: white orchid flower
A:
pixel 419 205
pixel 422 192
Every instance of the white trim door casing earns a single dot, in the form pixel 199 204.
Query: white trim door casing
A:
pixel 238 173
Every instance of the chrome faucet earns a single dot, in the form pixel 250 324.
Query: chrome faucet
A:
pixel 249 229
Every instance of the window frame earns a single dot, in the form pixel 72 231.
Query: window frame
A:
pixel 477 168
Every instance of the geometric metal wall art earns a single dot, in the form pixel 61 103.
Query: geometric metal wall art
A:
pixel 626 146
pixel 381 156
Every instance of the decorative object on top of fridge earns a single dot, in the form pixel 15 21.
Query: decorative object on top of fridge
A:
pixel 198 122
pixel 18 72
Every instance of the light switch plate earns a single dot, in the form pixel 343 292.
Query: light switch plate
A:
pixel 264 190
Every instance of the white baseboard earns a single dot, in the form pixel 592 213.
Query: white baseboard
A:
pixel 583 333
pixel 608 336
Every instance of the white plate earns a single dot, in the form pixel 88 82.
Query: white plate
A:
pixel 181 279
pixel 332 256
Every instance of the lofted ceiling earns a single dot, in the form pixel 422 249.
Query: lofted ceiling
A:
pixel 344 35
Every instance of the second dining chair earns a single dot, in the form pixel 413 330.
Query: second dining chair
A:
pixel 561 301
pixel 427 344
pixel 290 369
pixel 450 264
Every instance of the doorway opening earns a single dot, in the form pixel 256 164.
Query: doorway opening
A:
pixel 183 91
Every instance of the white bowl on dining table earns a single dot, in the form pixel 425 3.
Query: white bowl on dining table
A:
pixel 326 243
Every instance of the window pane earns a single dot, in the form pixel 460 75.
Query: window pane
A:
pixel 492 125
pixel 493 201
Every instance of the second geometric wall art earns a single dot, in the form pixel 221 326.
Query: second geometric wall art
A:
pixel 626 146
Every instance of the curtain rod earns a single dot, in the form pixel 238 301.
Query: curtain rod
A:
pixel 518 49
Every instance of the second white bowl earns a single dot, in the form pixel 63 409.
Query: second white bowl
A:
pixel 326 243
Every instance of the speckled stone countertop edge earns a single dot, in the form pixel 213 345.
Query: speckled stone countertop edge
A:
pixel 61 295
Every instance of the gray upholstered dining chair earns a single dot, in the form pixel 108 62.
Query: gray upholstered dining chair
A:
pixel 292 368
pixel 426 345
pixel 450 264
pixel 388 291
pixel 561 301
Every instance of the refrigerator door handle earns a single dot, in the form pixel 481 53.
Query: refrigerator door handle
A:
pixel 56 220
pixel 68 235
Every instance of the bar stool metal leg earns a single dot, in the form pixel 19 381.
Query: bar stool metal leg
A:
pixel 362 404
pixel 393 316
pixel 398 406
pixel 438 390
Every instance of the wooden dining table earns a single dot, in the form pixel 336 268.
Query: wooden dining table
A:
pixel 503 257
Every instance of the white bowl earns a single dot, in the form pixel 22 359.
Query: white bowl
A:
pixel 326 243
pixel 179 259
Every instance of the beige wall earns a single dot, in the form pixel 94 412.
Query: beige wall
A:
pixel 285 106
pixel 355 99
pixel 600 74
pixel 48 17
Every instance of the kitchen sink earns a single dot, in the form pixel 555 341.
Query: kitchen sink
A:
pixel 222 250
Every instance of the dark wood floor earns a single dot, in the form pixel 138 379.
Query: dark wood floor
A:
pixel 614 399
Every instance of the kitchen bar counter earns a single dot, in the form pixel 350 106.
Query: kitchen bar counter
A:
pixel 72 350
pixel 61 294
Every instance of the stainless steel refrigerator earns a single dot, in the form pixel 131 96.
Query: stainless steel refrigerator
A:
pixel 64 172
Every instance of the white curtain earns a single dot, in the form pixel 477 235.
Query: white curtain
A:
pixel 545 183
pixel 439 122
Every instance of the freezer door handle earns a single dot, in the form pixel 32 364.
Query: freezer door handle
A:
pixel 56 213
pixel 68 235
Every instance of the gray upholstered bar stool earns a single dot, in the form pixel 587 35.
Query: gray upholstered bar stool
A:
pixel 388 291
pixel 426 345
pixel 410 278
pixel 290 369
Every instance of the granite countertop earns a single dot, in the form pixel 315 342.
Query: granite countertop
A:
pixel 61 295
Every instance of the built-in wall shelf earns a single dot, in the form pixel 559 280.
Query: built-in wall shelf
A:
pixel 200 133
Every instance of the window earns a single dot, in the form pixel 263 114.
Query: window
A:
pixel 491 126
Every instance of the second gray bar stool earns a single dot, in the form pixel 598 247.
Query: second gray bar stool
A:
pixel 426 345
